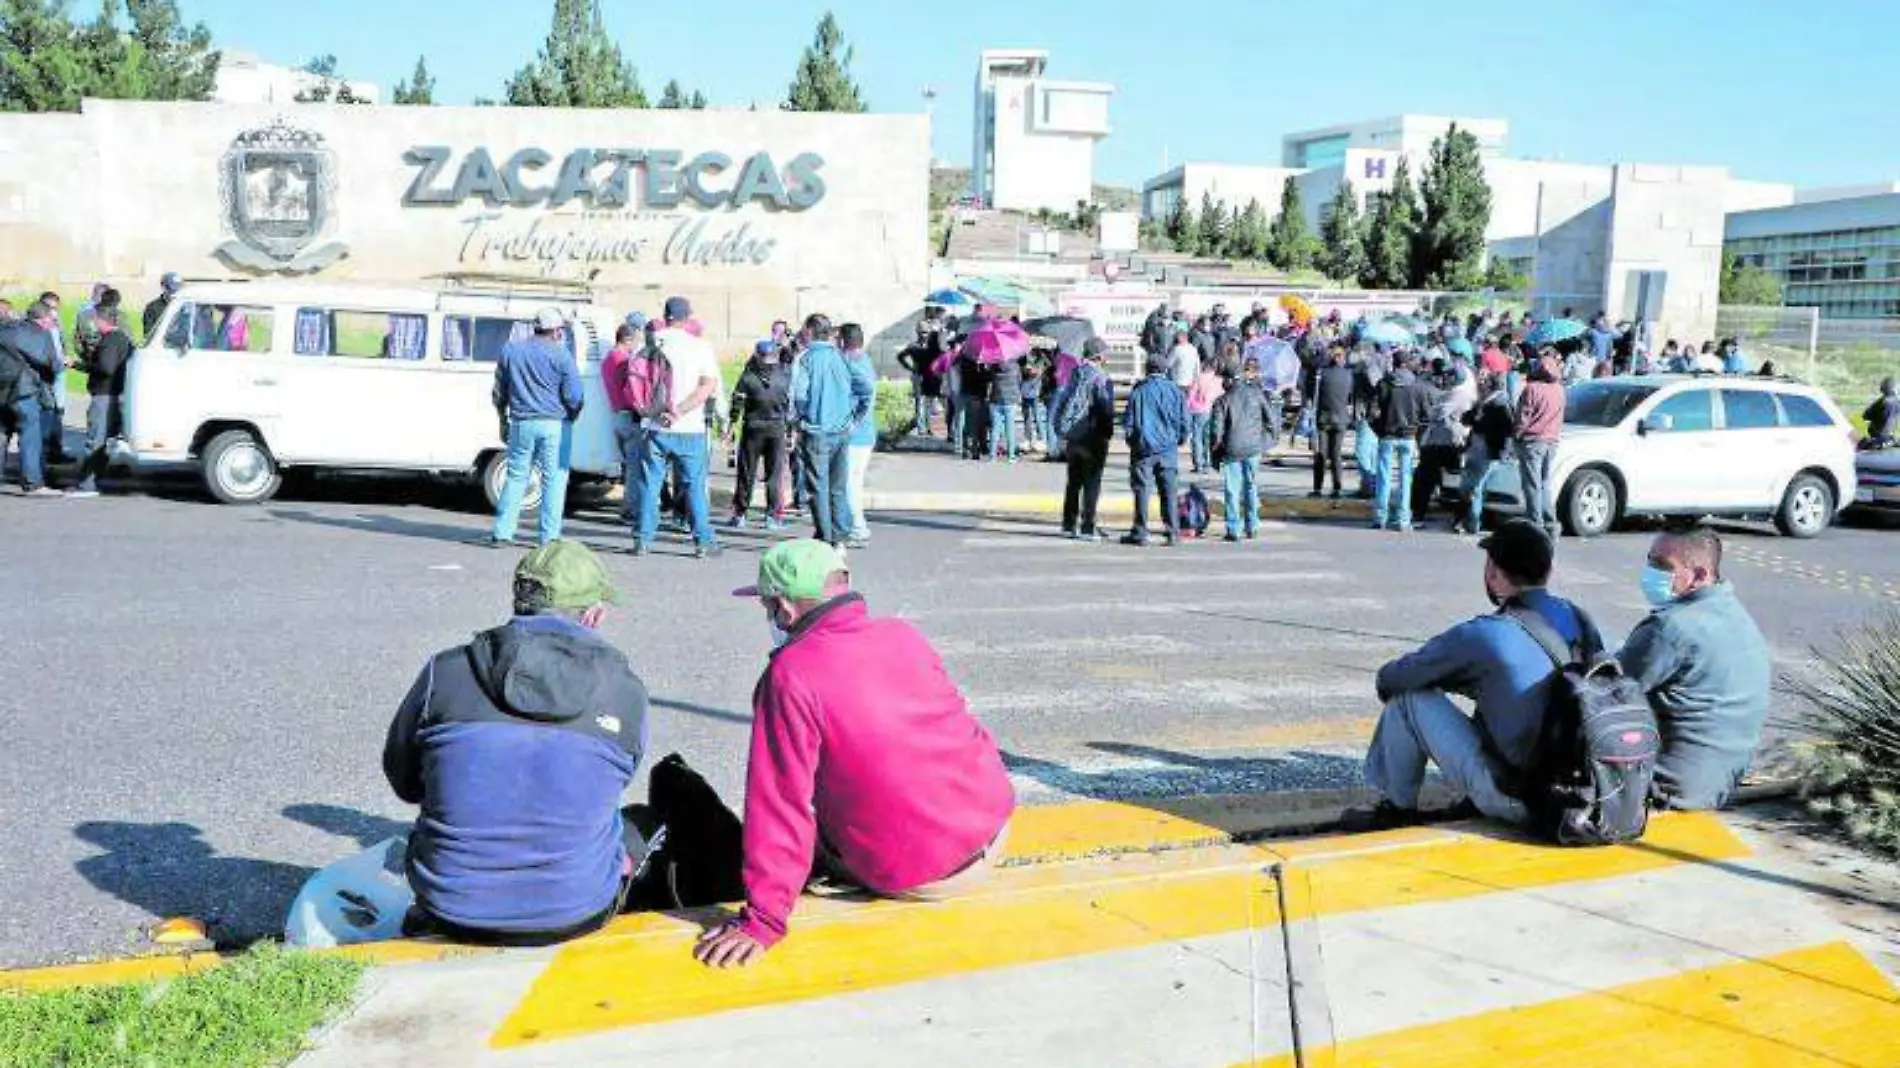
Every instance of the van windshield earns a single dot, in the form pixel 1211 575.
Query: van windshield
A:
pixel 1604 403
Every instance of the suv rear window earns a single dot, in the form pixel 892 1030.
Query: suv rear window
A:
pixel 1803 411
pixel 1747 409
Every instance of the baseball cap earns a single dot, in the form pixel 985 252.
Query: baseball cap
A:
pixel 678 309
pixel 794 569
pixel 765 348
pixel 548 320
pixel 570 574
pixel 1521 549
pixel 1094 348
pixel 170 282
pixel 637 320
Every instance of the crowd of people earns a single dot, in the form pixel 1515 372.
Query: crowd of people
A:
pixel 34 358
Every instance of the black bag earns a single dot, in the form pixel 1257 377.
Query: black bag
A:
pixel 1074 421
pixel 697 849
pixel 1590 777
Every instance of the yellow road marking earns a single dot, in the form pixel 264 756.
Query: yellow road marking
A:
pixel 1028 915
pixel 1822 1006
pixel 129 970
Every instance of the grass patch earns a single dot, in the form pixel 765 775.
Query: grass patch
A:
pixel 251 1012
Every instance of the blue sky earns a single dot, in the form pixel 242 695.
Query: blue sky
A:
pixel 1777 91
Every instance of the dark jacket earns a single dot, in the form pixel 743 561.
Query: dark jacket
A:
pixel 1156 422
pixel 34 347
pixel 1405 405
pixel 1333 397
pixel 154 311
pixel 105 375
pixel 518 746
pixel 1496 663
pixel 1883 417
pixel 762 396
pixel 1492 422
pixel 1242 423
pixel 1006 383
pixel 1097 428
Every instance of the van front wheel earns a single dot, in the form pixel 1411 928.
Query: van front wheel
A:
pixel 495 479
pixel 239 470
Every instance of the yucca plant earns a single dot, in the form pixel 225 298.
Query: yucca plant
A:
pixel 1853 774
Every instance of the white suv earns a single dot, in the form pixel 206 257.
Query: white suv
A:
pixel 1697 445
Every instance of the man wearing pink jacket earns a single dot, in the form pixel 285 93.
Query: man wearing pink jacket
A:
pixel 866 763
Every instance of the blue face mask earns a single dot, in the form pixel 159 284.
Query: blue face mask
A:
pixel 1658 586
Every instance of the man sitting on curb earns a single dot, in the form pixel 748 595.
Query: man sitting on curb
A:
pixel 1494 661
pixel 518 747
pixel 1706 668
pixel 864 758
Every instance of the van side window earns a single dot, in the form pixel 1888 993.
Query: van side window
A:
pixel 222 328
pixel 481 338
pixel 361 334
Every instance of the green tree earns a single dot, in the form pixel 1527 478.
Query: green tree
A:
pixel 1213 228
pixel 420 88
pixel 1342 237
pixel 1290 244
pixel 1748 286
pixel 49 63
pixel 698 102
pixel 672 97
pixel 177 60
pixel 579 66
pixel 1500 276
pixel 1175 226
pixel 1249 238
pixel 40 61
pixel 824 82
pixel 1389 234
pixel 331 88
pixel 1448 247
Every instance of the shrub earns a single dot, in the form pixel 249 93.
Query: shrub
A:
pixel 895 412
pixel 1853 776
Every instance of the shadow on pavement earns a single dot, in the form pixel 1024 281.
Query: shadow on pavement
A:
pixel 382 524
pixel 365 829
pixel 168 869
pixel 691 709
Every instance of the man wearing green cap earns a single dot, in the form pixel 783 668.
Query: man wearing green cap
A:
pixel 865 759
pixel 518 746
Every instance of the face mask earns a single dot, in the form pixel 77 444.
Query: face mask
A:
pixel 1659 586
pixel 779 637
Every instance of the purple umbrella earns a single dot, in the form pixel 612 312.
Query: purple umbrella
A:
pixel 998 341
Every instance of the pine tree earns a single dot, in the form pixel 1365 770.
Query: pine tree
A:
pixel 1213 227
pixel 1175 226
pixel 1188 237
pixel 331 87
pixel 1389 234
pixel 1448 249
pixel 698 102
pixel 1342 238
pixel 672 97
pixel 824 82
pixel 1290 246
pixel 420 88
pixel 578 67
pixel 177 61
pixel 1250 232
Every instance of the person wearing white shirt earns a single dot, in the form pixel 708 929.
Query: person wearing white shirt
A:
pixel 1186 361
pixel 677 437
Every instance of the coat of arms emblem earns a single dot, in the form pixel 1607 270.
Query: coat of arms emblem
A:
pixel 277 184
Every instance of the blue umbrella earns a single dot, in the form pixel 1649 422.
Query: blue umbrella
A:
pixel 1388 332
pixel 1459 347
pixel 1551 331
pixel 949 298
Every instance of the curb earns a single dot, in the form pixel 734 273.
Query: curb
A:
pixel 1119 506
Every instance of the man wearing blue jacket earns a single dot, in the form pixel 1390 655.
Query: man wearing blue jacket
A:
pixel 538 396
pixel 1156 426
pixel 517 748
pixel 829 401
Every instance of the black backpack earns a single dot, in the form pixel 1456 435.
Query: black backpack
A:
pixel 1590 776
pixel 696 843
pixel 1075 419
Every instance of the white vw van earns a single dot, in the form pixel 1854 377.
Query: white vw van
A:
pixel 248 379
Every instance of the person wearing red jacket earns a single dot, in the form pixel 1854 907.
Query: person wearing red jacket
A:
pixel 865 758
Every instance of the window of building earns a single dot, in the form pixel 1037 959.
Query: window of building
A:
pixel 1688 411
pixel 1744 409
pixel 1325 152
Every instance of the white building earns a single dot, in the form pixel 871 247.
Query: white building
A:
pixel 1408 135
pixel 243 78
pixel 1034 137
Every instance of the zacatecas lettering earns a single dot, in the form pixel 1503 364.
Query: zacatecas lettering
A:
pixel 603 179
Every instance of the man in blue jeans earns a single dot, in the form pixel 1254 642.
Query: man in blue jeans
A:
pixel 1241 421
pixel 1155 426
pixel 676 438
pixel 538 395
pixel 828 400
pixel 30 340
pixel 1405 403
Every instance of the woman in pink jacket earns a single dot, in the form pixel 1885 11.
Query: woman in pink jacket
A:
pixel 1207 389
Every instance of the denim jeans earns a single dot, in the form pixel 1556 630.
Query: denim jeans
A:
pixel 923 408
pixel 1147 474
pixel 1535 463
pixel 1241 494
pixel 102 422
pixel 543 445
pixel 1003 429
pixel 1397 459
pixel 1426 725
pixel 857 465
pixel 1365 454
pixel 32 442
pixel 1035 421
pixel 1480 465
pixel 632 438
pixel 829 465
pixel 684 455
pixel 1200 427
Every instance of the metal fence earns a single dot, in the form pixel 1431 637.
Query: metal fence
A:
pixel 1846 357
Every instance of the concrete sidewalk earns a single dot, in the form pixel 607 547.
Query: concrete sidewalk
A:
pixel 1124 935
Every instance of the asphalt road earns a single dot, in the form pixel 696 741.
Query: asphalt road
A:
pixel 198 694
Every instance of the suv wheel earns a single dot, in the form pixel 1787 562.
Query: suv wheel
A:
pixel 1590 504
pixel 238 469
pixel 1806 509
